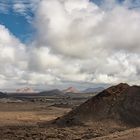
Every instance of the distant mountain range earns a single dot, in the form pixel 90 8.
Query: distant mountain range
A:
pixel 55 92
pixel 70 91
pixel 93 90
pixel 25 90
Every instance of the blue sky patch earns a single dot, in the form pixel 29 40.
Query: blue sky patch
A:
pixel 18 21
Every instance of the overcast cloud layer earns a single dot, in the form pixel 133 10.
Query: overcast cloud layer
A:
pixel 76 42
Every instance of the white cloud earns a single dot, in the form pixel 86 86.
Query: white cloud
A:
pixel 24 6
pixel 12 54
pixel 77 42
pixel 92 37
pixel 68 26
pixel 20 8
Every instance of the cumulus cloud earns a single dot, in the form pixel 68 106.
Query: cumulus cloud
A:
pixel 69 26
pixel 11 62
pixel 76 42
pixel 21 65
pixel 76 26
pixel 92 37
pixel 20 8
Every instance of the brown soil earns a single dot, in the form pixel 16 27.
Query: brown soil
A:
pixel 27 113
pixel 131 134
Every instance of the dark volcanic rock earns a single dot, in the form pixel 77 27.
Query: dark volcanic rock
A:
pixel 54 92
pixel 2 95
pixel 119 103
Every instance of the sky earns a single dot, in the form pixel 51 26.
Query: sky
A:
pixel 49 44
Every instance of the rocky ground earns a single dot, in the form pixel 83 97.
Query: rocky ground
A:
pixel 99 118
pixel 45 132
pixel 131 134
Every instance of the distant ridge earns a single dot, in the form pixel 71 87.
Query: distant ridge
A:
pixel 54 92
pixel 92 90
pixel 25 90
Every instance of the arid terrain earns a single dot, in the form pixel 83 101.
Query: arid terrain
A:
pixel 109 115
pixel 28 113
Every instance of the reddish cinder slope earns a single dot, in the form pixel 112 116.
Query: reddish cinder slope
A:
pixel 71 90
pixel 25 90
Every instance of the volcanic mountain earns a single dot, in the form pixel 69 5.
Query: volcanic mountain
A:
pixel 118 103
pixel 71 90
pixel 25 90
pixel 54 92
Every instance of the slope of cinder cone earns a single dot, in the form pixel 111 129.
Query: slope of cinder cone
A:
pixel 121 102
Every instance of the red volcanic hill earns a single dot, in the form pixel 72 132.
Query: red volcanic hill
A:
pixel 118 103
pixel 25 90
pixel 71 90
